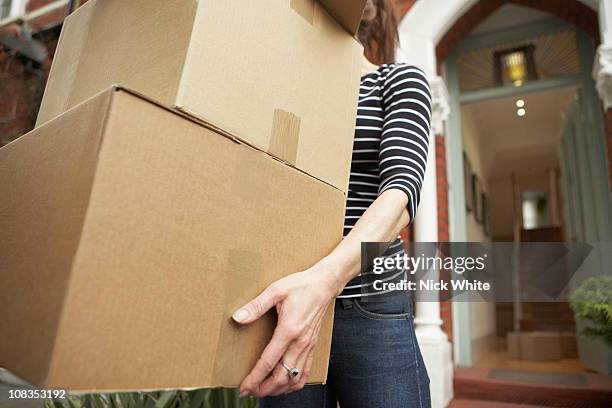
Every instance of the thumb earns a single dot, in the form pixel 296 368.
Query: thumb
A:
pixel 257 307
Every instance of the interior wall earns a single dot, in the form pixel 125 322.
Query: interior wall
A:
pixel 501 199
pixel 502 208
pixel 475 152
pixel 482 313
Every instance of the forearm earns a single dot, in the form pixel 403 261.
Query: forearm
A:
pixel 381 222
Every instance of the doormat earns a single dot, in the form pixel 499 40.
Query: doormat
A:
pixel 536 377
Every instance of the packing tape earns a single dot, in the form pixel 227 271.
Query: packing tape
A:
pixel 239 347
pixel 305 9
pixel 285 136
pixel 251 179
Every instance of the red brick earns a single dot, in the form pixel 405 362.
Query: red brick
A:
pixel 443 225
pixel 402 7
pixel 572 11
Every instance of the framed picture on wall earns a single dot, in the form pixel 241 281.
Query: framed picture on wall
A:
pixel 468 183
pixel 485 213
pixel 478 197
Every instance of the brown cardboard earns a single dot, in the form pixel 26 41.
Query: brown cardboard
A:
pixel 235 64
pixel 130 234
pixel 347 12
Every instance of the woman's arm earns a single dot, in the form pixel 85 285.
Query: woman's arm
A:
pixel 382 222
pixel 301 299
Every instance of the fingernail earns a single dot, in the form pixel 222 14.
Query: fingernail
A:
pixel 240 315
pixel 243 394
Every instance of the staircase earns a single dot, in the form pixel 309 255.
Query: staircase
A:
pixel 485 387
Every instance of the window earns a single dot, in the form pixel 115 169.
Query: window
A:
pixel 11 8
pixel 535 210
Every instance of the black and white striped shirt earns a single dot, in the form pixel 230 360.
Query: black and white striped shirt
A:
pixel 389 151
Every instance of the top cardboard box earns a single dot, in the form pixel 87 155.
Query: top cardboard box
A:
pixel 282 76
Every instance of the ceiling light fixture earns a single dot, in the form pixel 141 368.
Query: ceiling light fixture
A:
pixel 520 103
pixel 521 112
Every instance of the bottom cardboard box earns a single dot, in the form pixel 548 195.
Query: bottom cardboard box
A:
pixel 130 234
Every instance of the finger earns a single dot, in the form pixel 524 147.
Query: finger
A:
pixel 258 306
pixel 297 383
pixel 297 352
pixel 310 357
pixel 296 356
pixel 303 363
pixel 275 384
pixel 269 359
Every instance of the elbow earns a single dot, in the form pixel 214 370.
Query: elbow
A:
pixel 404 220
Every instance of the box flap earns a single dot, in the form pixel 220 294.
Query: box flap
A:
pixel 45 184
pixel 347 12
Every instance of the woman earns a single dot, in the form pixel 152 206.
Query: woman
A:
pixel 375 360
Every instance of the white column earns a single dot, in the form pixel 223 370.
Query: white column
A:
pixel 433 342
pixel 602 67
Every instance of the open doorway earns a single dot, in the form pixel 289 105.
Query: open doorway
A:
pixel 512 146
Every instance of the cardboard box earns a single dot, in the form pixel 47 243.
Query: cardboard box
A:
pixel 540 346
pixel 130 234
pixel 281 75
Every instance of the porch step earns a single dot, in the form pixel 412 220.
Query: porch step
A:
pixel 468 403
pixel 579 390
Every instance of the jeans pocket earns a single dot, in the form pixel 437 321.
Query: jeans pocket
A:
pixel 382 311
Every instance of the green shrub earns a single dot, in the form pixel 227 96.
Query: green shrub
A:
pixel 205 398
pixel 592 304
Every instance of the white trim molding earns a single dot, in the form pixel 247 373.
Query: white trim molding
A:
pixel 602 74
pixel 440 110
pixel 18 7
pixel 20 16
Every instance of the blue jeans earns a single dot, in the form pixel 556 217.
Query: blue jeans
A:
pixel 375 360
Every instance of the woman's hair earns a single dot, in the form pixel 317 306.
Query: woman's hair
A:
pixel 378 31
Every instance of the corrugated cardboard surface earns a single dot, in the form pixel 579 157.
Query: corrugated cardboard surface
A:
pixel 347 12
pixel 45 183
pixel 141 44
pixel 231 63
pixel 309 70
pixel 130 236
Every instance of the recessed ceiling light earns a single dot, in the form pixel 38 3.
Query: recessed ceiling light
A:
pixel 521 112
pixel 520 103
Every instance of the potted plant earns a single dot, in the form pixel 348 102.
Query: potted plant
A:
pixel 592 306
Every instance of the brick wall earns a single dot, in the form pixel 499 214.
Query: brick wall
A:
pixel 443 226
pixel 572 11
pixel 22 82
pixel 403 6
pixel 21 88
pixel 50 19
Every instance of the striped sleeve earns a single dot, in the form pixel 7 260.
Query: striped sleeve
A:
pixel 406 102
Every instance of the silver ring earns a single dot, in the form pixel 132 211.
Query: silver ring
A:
pixel 293 372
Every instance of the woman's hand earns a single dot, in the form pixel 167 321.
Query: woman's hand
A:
pixel 301 300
